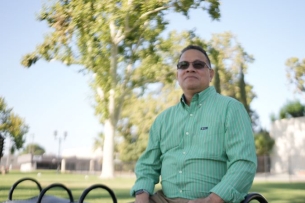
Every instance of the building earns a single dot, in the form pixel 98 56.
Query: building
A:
pixel 71 160
pixel 288 155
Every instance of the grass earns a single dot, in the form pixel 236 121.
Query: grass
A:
pixel 274 192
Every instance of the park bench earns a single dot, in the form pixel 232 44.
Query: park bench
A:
pixel 44 198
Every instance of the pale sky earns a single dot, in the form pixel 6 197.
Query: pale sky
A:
pixel 51 96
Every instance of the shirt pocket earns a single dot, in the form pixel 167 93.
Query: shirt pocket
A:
pixel 209 141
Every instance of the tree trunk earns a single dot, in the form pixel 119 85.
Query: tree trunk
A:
pixel 108 158
pixel 111 121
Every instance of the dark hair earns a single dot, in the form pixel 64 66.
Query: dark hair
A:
pixel 196 48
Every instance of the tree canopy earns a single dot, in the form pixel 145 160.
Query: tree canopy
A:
pixel 12 126
pixel 119 42
pixel 263 143
pixel 34 149
pixel 292 109
pixel 296 73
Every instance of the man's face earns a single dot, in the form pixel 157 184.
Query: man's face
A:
pixel 193 80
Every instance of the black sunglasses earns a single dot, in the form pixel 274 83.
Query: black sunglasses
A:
pixel 183 65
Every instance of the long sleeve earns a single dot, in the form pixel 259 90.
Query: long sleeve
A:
pixel 149 164
pixel 240 150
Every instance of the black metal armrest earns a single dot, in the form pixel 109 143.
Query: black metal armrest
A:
pixel 53 199
pixel 10 195
pixel 254 196
pixel 101 186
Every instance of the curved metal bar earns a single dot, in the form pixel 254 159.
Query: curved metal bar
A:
pixel 254 196
pixel 85 193
pixel 52 186
pixel 10 195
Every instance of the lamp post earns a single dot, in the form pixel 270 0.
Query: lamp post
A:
pixel 59 145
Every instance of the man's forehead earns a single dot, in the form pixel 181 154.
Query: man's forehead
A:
pixel 193 54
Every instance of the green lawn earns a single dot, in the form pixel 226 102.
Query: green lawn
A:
pixel 274 192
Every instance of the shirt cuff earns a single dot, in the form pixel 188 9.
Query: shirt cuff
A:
pixel 228 194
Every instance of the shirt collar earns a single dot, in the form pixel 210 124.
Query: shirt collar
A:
pixel 201 96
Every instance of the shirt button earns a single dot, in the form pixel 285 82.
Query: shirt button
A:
pixel 180 191
pixel 191 114
pixel 183 152
pixel 180 171
pixel 187 133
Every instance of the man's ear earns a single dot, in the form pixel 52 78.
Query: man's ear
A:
pixel 211 74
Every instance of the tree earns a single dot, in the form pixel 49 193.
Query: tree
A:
pixel 292 109
pixel 263 143
pixel 117 41
pixel 34 149
pixel 296 73
pixel 12 126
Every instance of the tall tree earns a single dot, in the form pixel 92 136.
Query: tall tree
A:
pixel 296 73
pixel 12 126
pixel 117 41
pixel 263 142
pixel 34 149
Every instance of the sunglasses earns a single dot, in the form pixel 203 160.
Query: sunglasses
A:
pixel 183 65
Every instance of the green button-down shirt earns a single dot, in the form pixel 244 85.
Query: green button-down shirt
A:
pixel 198 149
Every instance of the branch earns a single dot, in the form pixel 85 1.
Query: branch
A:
pixel 119 36
pixel 154 11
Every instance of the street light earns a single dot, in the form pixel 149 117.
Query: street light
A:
pixel 59 145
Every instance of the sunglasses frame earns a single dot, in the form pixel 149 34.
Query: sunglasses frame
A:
pixel 188 64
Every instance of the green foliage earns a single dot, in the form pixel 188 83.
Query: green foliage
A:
pixel 296 73
pixel 263 143
pixel 34 149
pixel 117 41
pixel 11 125
pixel 292 109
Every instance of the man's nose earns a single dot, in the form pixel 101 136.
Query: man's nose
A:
pixel 190 68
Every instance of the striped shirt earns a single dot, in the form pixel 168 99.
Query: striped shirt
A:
pixel 198 149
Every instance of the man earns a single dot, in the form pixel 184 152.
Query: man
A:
pixel 203 147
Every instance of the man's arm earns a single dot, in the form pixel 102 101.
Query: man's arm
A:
pixel 240 150
pixel 148 166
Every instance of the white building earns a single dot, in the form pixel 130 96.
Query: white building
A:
pixel 288 154
pixel 77 159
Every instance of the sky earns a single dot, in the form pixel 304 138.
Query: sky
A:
pixel 53 97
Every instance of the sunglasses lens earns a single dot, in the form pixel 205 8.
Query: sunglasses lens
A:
pixel 198 65
pixel 183 65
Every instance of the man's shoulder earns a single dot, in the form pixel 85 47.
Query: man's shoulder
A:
pixel 226 99
pixel 169 111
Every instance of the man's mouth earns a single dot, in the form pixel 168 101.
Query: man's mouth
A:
pixel 190 77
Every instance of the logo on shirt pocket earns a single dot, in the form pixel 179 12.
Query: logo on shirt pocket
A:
pixel 203 128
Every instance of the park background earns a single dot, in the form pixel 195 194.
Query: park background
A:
pixel 52 97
